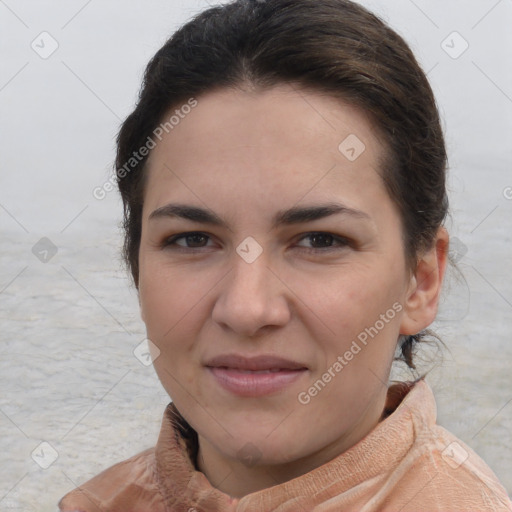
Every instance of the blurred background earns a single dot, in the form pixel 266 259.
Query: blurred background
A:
pixel 77 392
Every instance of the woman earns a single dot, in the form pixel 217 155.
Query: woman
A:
pixel 283 180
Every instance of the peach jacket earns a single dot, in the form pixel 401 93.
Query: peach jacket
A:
pixel 407 463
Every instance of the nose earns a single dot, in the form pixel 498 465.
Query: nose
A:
pixel 252 298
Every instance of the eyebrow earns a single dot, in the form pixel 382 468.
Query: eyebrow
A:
pixel 294 215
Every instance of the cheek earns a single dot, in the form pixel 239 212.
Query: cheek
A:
pixel 351 306
pixel 347 297
pixel 161 316
pixel 157 305
pixel 174 305
pixel 167 298
pixel 167 307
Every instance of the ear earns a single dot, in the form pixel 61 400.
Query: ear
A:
pixel 422 298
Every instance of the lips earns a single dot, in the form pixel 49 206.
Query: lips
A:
pixel 255 363
pixel 254 376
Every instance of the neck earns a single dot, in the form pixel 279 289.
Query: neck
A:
pixel 238 479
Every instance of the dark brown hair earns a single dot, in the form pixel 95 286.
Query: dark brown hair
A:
pixel 332 46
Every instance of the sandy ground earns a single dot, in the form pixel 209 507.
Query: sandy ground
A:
pixel 69 319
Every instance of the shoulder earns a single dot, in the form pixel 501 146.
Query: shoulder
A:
pixel 459 468
pixel 128 486
pixel 442 471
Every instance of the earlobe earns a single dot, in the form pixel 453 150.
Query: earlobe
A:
pixel 422 298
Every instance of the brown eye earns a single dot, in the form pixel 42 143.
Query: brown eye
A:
pixel 193 240
pixel 323 242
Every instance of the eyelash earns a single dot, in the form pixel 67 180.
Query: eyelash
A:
pixel 343 242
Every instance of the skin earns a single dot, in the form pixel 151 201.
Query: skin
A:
pixel 245 155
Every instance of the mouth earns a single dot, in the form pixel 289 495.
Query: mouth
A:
pixel 254 376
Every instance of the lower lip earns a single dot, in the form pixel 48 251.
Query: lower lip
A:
pixel 254 384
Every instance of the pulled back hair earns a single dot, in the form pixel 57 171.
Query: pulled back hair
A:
pixel 331 46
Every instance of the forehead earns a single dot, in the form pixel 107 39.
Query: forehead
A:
pixel 277 144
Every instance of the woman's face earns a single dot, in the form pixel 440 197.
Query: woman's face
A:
pixel 275 343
